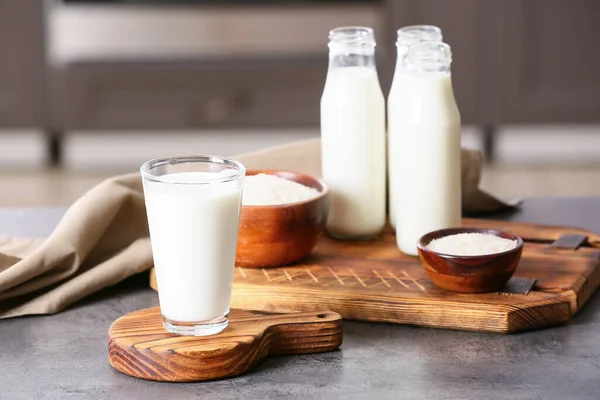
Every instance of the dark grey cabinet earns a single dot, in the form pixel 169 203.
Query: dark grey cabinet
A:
pixel 460 21
pixel 550 63
pixel 515 61
pixel 22 67
pixel 234 94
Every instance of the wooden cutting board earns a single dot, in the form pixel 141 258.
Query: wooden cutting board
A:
pixel 374 281
pixel 139 346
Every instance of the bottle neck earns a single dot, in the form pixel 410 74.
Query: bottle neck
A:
pixel 352 46
pixel 401 58
pixel 346 60
pixel 411 35
pixel 429 58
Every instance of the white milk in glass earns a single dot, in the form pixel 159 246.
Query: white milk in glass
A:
pixel 428 146
pixel 407 36
pixel 353 136
pixel 193 219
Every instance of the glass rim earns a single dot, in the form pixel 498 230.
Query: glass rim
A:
pixel 353 36
pixel 425 30
pixel 352 29
pixel 148 166
pixel 429 53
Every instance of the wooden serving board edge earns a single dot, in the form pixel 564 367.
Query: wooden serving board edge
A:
pixel 473 316
pixel 588 288
pixel 529 231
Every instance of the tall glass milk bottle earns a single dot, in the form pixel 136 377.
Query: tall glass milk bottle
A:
pixel 428 152
pixel 407 36
pixel 353 136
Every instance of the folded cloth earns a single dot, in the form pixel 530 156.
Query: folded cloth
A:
pixel 103 237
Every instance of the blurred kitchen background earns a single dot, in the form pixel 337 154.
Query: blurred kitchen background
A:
pixel 89 89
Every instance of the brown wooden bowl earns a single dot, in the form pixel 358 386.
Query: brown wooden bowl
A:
pixel 469 274
pixel 278 235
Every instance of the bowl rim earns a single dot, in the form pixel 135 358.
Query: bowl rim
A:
pixel 322 193
pixel 457 230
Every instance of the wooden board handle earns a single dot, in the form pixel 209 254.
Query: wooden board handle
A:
pixel 139 346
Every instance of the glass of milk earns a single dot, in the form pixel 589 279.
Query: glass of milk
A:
pixel 193 205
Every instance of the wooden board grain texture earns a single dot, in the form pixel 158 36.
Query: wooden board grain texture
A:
pixel 139 346
pixel 374 281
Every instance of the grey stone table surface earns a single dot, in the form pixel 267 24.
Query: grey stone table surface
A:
pixel 64 356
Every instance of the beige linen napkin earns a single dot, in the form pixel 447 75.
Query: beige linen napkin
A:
pixel 103 237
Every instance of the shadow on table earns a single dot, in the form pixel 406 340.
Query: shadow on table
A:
pixel 133 286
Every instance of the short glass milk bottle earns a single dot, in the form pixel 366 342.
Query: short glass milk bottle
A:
pixel 407 36
pixel 428 152
pixel 353 136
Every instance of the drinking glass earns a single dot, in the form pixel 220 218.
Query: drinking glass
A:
pixel 193 206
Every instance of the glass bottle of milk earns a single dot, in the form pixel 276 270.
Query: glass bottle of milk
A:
pixel 428 146
pixel 353 136
pixel 407 36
